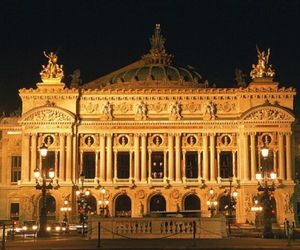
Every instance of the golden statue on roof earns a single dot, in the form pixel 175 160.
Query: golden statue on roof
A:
pixel 53 71
pixel 262 68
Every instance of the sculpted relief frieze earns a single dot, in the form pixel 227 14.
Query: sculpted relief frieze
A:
pixel 269 114
pixel 48 115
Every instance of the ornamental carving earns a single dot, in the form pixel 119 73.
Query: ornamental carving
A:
pixel 90 108
pixel 262 68
pixel 141 111
pixel 124 107
pixel 49 115
pixel 52 71
pixel 193 107
pixel 267 114
pixel 210 110
pixel 158 107
pixel 107 111
pixel 175 111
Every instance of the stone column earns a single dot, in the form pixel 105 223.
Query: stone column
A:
pixel 136 157
pixel 246 157
pixel 171 157
pixel 81 162
pixel 178 158
pixel 212 157
pixel 144 159
pixel 218 164
pixel 184 164
pixel 109 158
pixel 199 165
pixel 130 165
pixel 253 157
pixel 288 156
pixel 62 157
pixel 33 155
pixel 234 164
pixel 102 157
pixel 25 158
pixel 275 161
pixel 69 158
pixel 205 157
pixel 149 166
pixel 281 157
pixel 97 172
pixel 115 174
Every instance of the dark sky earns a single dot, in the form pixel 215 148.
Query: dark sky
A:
pixel 103 35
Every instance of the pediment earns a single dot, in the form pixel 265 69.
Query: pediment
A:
pixel 48 115
pixel 268 113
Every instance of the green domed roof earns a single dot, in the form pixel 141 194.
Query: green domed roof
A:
pixel 156 72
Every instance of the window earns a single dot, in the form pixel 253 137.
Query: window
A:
pixel 226 164
pixel 123 165
pixel 14 211
pixel 191 164
pixel 15 168
pixel 157 163
pixel 48 162
pixel 89 165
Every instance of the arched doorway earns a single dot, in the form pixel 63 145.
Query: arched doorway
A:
pixel 50 205
pixel 225 206
pixel 157 203
pixel 123 206
pixel 192 202
pixel 91 205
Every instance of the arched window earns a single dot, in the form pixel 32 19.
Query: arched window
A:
pixel 192 202
pixel 157 203
pixel 123 206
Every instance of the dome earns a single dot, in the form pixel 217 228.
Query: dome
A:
pixel 156 72
pixel 155 69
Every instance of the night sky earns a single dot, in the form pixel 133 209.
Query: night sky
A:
pixel 101 36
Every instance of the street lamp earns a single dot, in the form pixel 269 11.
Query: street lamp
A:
pixel 41 184
pixel 82 196
pixel 266 186
pixel 212 203
pixel 66 209
pixel 232 201
pixel 103 203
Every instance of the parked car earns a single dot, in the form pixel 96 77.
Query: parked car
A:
pixel 56 228
pixel 29 228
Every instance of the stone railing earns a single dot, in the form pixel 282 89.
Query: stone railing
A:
pixel 143 228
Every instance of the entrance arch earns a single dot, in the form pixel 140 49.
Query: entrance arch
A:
pixel 91 204
pixel 192 202
pixel 157 203
pixel 50 205
pixel 123 206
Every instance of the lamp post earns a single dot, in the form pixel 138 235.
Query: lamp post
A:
pixel 232 201
pixel 212 203
pixel 266 186
pixel 103 203
pixel 66 209
pixel 41 184
pixel 82 197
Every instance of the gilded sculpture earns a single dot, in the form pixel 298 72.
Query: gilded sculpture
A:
pixel 52 71
pixel 262 68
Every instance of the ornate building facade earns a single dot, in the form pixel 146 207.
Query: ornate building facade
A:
pixel 155 136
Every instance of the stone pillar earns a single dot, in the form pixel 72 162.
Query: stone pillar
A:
pixel 184 164
pixel 25 158
pixel 218 164
pixel 149 166
pixel 205 157
pixel 171 157
pixel 102 157
pixel 246 157
pixel 253 157
pixel 165 165
pixel 234 164
pixel 281 157
pixel 81 162
pixel 136 157
pixel 69 158
pixel 212 157
pixel 97 172
pixel 33 155
pixel 288 157
pixel 199 165
pixel 144 159
pixel 130 165
pixel 109 158
pixel 178 158
pixel 115 173
pixel 62 157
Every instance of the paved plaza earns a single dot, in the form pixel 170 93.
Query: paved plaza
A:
pixel 85 244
